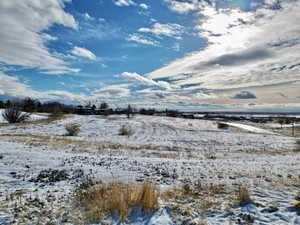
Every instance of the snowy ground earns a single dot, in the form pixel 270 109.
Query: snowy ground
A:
pixel 168 151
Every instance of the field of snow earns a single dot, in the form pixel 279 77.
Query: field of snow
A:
pixel 170 152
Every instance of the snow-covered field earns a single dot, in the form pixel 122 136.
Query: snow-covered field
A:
pixel 171 152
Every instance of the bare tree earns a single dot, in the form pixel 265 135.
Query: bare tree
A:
pixel 129 111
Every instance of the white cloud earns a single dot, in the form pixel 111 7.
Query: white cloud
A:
pixel 112 91
pixel 22 34
pixel 255 49
pixel 169 29
pixel 181 6
pixel 88 16
pixel 146 81
pixel 142 40
pixel 124 3
pixel 83 52
pixel 144 6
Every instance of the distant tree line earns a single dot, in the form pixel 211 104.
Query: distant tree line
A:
pixel 31 105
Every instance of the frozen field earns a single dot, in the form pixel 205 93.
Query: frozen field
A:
pixel 171 152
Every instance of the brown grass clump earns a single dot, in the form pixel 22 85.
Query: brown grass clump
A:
pixel 297 205
pixel 102 200
pixel 242 196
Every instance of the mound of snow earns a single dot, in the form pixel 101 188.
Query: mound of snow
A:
pixel 249 128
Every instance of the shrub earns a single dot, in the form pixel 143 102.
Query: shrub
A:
pixel 223 126
pixel 72 129
pixel 14 115
pixel 126 131
pixel 105 199
pixel 243 196
pixel 297 149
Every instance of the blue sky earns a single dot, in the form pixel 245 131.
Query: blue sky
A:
pixel 187 54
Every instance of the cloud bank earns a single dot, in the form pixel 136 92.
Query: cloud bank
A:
pixel 22 34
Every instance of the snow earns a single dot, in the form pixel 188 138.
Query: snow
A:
pixel 249 128
pixel 169 151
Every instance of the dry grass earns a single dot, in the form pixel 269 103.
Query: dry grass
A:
pixel 84 145
pixel 242 196
pixel 101 200
pixel 198 191
pixel 297 149
pixel 297 205
pixel 194 198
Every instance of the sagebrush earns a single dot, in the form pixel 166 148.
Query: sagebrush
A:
pixel 72 129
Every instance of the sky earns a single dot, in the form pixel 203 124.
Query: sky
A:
pixel 183 54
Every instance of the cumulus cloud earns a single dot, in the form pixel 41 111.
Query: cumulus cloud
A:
pixel 124 3
pixel 142 40
pixel 22 34
pixel 144 6
pixel 182 6
pixel 169 30
pixel 87 16
pixel 83 52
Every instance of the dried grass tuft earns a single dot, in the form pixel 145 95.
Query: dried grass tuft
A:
pixel 242 196
pixel 102 199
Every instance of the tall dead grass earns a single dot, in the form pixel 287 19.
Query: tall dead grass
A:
pixel 242 197
pixel 119 199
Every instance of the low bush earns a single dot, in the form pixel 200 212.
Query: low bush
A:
pixel 242 197
pixel 14 115
pixel 72 129
pixel 125 131
pixel 223 126
pixel 101 200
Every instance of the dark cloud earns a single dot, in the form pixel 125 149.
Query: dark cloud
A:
pixel 238 58
pixel 244 95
